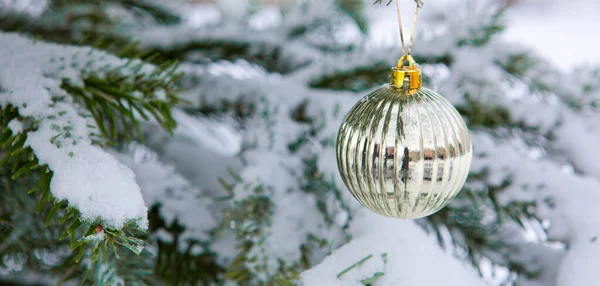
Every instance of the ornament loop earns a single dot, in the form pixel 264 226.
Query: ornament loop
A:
pixel 406 77
pixel 412 33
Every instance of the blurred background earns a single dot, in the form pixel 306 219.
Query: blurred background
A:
pixel 246 190
pixel 556 27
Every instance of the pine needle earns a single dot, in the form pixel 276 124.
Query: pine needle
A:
pixel 354 265
pixel 372 279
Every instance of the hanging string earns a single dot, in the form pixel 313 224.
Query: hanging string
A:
pixel 400 28
pixel 412 33
pixel 414 25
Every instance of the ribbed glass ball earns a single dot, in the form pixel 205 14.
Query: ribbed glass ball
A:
pixel 404 155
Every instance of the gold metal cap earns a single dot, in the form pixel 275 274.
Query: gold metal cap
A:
pixel 407 77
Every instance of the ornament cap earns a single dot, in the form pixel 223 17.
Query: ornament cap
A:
pixel 406 77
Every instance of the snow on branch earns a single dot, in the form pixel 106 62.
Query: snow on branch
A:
pixel 401 253
pixel 180 202
pixel 63 134
pixel 567 199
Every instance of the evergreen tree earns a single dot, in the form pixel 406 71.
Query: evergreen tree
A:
pixel 150 142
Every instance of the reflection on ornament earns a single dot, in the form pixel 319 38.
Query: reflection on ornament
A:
pixel 403 150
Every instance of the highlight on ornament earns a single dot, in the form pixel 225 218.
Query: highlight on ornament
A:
pixel 403 150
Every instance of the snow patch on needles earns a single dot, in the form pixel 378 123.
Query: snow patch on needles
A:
pixel 569 200
pixel 400 250
pixel 15 126
pixel 85 175
pixel 179 200
pixel 212 134
pixel 96 237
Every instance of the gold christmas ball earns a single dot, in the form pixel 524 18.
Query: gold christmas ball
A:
pixel 404 151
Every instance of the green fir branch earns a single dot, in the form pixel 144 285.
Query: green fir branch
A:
pixel 481 35
pixel 518 64
pixel 22 162
pixel 478 223
pixel 118 102
pixel 314 182
pixel 161 14
pixel 241 108
pixel 177 266
pixel 362 78
pixel 21 230
pixel 368 280
pixel 101 36
pixel 481 115
pixel 355 8
pixel 247 219
pixel 261 52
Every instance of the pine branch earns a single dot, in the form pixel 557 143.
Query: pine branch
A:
pixel 25 164
pixel 212 48
pixel 111 267
pixel 361 78
pixel 481 35
pixel 27 231
pixel 477 223
pixel 483 115
pixel 518 64
pixel 117 101
pixel 21 230
pixel 181 267
pixel 103 34
pixel 248 218
pixel 355 9
pixel 324 190
pixel 156 9
pixel 63 33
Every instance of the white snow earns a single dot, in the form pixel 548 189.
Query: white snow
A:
pixel 31 7
pixel 568 200
pixel 412 257
pixel 179 200
pixel 96 237
pixel 15 126
pixel 201 15
pixel 85 175
pixel 268 16
pixel 216 136
pixel 561 31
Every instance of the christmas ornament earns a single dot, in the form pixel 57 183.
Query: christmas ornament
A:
pixel 403 150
